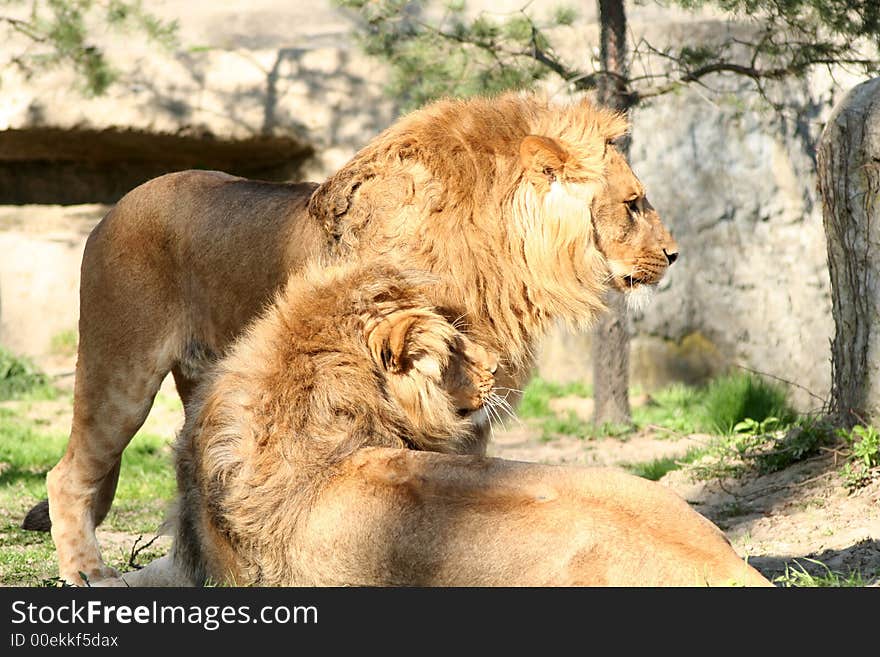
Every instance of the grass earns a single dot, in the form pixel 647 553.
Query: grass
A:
pixel 863 462
pixel 677 408
pixel 20 378
pixel 717 408
pixel 763 447
pixel 796 575
pixel 64 343
pixel 754 427
pixel 658 468
pixel 29 449
pixel 753 438
pixel 732 399
pixel 538 393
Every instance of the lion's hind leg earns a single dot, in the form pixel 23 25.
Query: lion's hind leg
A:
pixel 131 334
pixel 107 413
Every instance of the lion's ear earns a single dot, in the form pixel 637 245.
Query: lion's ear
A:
pixel 542 158
pixel 389 343
pixel 333 198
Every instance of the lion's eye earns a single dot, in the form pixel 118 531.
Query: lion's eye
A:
pixel 632 205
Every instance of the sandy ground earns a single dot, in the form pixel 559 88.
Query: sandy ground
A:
pixel 800 514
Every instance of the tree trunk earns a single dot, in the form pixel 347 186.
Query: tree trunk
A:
pixel 849 182
pixel 611 335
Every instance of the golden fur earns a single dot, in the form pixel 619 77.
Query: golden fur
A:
pixel 349 356
pixel 281 485
pixel 523 211
pixel 394 517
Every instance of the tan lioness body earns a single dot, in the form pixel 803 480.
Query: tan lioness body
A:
pixel 525 212
pixel 393 517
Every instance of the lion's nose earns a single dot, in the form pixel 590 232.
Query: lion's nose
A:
pixel 670 257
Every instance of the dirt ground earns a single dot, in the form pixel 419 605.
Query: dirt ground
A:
pixel 793 516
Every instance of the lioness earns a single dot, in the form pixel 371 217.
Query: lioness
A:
pixel 348 356
pixel 525 211
pixel 395 517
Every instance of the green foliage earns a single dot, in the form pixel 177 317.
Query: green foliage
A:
pixel 565 15
pixel 20 378
pixel 538 393
pixel 763 447
pixel 28 452
pixel 842 18
pixel 798 576
pixel 678 408
pixel 732 399
pixel 455 55
pixel 568 424
pixel 863 465
pixel 716 408
pixel 59 32
pixel 433 53
pixel 656 469
pixel 64 343
pixel 535 406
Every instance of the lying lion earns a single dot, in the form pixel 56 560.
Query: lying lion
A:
pixel 524 211
pixel 392 517
pixel 293 467
pixel 349 356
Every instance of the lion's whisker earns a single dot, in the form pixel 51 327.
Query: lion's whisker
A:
pixel 497 403
pixel 457 322
pixel 504 406
pixel 489 420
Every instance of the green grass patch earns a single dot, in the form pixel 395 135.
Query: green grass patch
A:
pixel 566 425
pixel 755 428
pixel 732 399
pixel 20 379
pixel 716 408
pixel 658 468
pixel 28 451
pixel 763 447
pixel 678 408
pixel 64 343
pixel 570 424
pixel 863 462
pixel 538 393
pixel 796 575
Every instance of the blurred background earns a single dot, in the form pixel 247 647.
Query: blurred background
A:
pixel 728 368
pixel 286 91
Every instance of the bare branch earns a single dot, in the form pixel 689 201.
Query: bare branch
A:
pixel 23 27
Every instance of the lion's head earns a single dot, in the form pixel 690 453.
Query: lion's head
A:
pixel 629 232
pixel 626 228
pixel 436 375
pixel 525 210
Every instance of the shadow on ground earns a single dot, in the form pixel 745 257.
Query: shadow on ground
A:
pixel 862 557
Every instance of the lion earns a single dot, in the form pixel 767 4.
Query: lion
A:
pixel 525 211
pixel 349 356
pixel 291 466
pixel 396 517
